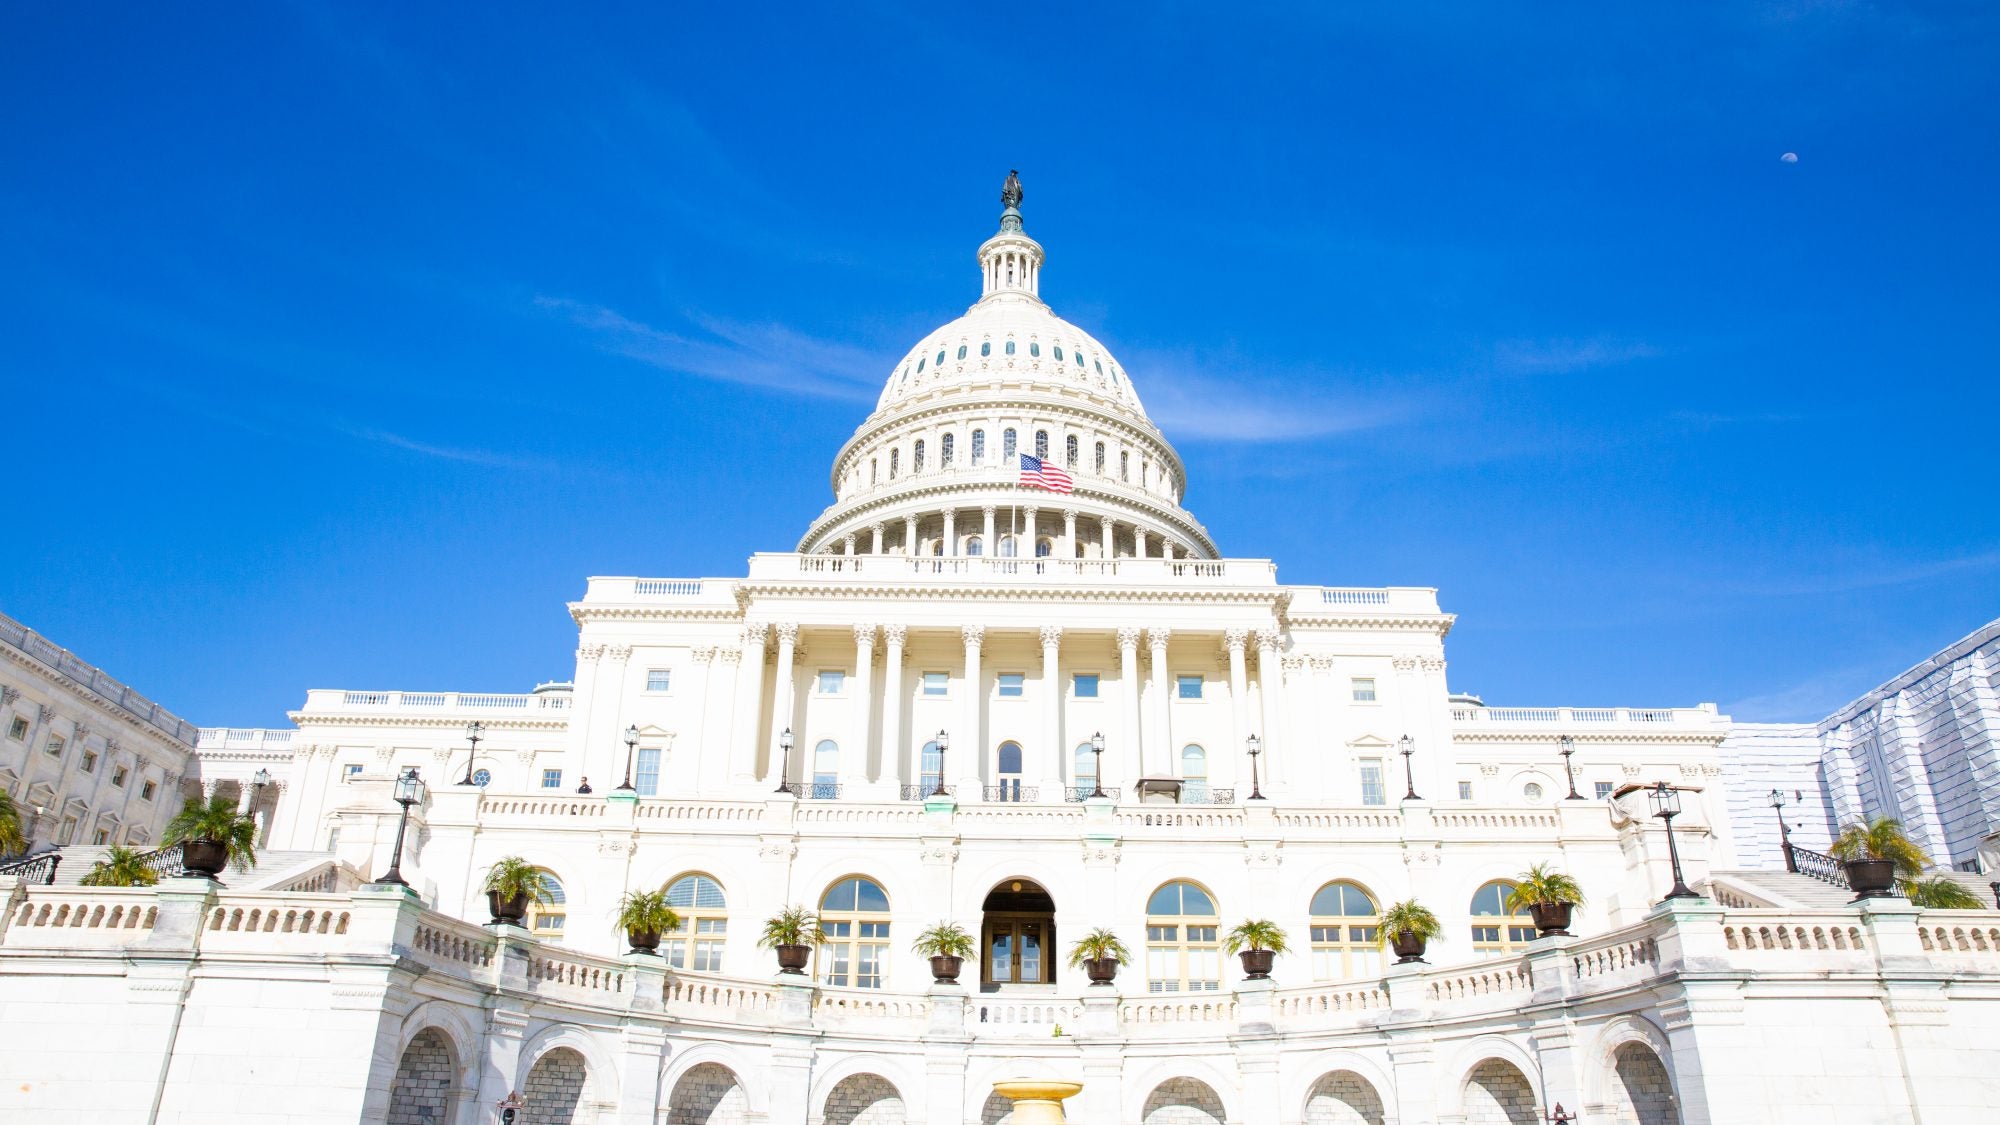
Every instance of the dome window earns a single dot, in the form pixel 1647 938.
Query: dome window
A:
pixel 940 359
pixel 1034 350
pixel 1043 548
pixel 985 347
pixel 1010 347
pixel 945 451
pixel 975 546
pixel 1124 467
pixel 1042 445
pixel 1100 458
pixel 895 462
pixel 920 366
pixel 961 351
pixel 1007 446
pixel 1058 353
pixel 979 447
pixel 1078 356
pixel 1069 452
pixel 917 457
pixel 1099 366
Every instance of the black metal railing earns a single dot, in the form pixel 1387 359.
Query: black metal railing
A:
pixel 1077 794
pixel 820 791
pixel 919 792
pixel 1825 868
pixel 1012 791
pixel 1203 795
pixel 35 867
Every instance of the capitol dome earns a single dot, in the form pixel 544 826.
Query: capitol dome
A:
pixel 929 472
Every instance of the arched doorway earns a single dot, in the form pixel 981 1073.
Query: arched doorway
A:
pixel 1343 1098
pixel 1017 937
pixel 1641 1092
pixel 554 1088
pixel 1183 1101
pixel 865 1099
pixel 706 1095
pixel 425 1075
pixel 1497 1093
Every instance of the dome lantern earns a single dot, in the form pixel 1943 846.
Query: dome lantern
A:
pixel 1010 263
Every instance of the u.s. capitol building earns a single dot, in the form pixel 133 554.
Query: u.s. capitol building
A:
pixel 1005 680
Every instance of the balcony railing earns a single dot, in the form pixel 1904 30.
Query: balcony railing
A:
pixel 1203 795
pixel 1077 794
pixel 37 868
pixel 920 792
pixel 820 791
pixel 1009 791
pixel 93 678
pixel 1825 868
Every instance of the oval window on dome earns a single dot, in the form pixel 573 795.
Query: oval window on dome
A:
pixel 961 351
pixel 1010 347
pixel 986 347
pixel 1034 350
pixel 1058 352
pixel 1078 356
pixel 1099 366
pixel 940 359
pixel 920 366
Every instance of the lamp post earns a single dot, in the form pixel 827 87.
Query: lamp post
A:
pixel 473 731
pixel 785 767
pixel 1784 831
pixel 1408 746
pixel 509 1106
pixel 1097 757
pixel 409 791
pixel 944 744
pixel 1569 748
pixel 1667 805
pixel 631 748
pixel 1256 747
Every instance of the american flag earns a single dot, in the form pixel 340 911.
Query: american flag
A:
pixel 1037 473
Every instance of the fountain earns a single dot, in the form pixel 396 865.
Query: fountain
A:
pixel 1036 1101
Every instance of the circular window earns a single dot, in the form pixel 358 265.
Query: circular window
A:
pixel 1532 791
pixel 482 778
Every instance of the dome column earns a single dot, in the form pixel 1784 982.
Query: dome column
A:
pixel 910 536
pixel 1069 533
pixel 1110 543
pixel 876 529
pixel 1138 541
pixel 1030 513
pixel 950 532
pixel 987 544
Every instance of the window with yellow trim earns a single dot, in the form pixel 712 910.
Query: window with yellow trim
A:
pixel 1183 953
pixel 1495 932
pixel 854 914
pixel 546 920
pixel 1346 928
pixel 697 943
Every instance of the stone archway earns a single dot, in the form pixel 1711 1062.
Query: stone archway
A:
pixel 1343 1098
pixel 1183 1101
pixel 421 1092
pixel 554 1088
pixel 707 1095
pixel 1641 1091
pixel 1497 1093
pixel 997 1110
pixel 865 1099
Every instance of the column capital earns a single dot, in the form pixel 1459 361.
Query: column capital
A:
pixel 788 632
pixel 589 654
pixel 1128 637
pixel 1051 636
pixel 893 635
pixel 1158 635
pixel 987 510
pixel 1233 639
pixel 1267 640
pixel 756 634
pixel 1029 510
pixel 704 654
pixel 975 635
pixel 618 653
pixel 864 636
pixel 1069 515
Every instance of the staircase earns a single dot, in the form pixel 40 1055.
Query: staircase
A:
pixel 274 868
pixel 1777 888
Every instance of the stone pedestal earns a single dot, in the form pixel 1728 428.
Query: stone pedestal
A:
pixel 1037 1102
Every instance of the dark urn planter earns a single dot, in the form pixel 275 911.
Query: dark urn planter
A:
pixel 1409 947
pixel 1552 918
pixel 792 958
pixel 1100 970
pixel 644 941
pixel 204 857
pixel 1257 963
pixel 944 970
pixel 512 911
pixel 1871 878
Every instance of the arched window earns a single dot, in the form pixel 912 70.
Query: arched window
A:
pixel 1069 451
pixel 1194 775
pixel 1007 448
pixel 1044 548
pixel 704 927
pixel 1042 444
pixel 1086 770
pixel 920 366
pixel 482 778
pixel 826 768
pixel 917 457
pixel 1010 771
pixel 547 919
pixel 1010 347
pixel 873 464
pixel 979 447
pixel 945 450
pixel 940 359
pixel 1182 950
pixel 1077 355
pixel 1124 466
pixel 1098 365
pixel 1345 937
pixel 1100 458
pixel 1059 353
pixel 1495 932
pixel 1034 349
pixel 1007 546
pixel 929 766
pixel 961 351
pixel 895 462
pixel 937 546
pixel 985 347
pixel 855 916
pixel 975 546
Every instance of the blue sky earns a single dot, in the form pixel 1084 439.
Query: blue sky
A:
pixel 341 342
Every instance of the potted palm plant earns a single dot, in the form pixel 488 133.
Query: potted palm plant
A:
pixel 1550 896
pixel 1939 892
pixel 1408 927
pixel 1257 943
pixel 792 933
pixel 1874 853
pixel 12 840
pixel 213 835
pixel 511 884
pixel 644 916
pixel 121 867
pixel 949 947
pixel 1099 953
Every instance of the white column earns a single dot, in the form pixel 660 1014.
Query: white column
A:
pixel 992 547
pixel 1270 682
pixel 854 751
pixel 1028 552
pixel 749 706
pixel 876 530
pixel 847 544
pixel 950 532
pixel 1051 754
pixel 1110 541
pixel 909 535
pixel 1069 533
pixel 243 790
pixel 692 774
pixel 893 772
pixel 968 749
pixel 782 702
pixel 1159 753
pixel 1239 702
pixel 1138 541
pixel 1128 675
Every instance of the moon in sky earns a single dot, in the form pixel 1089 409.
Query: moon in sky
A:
pixel 1789 158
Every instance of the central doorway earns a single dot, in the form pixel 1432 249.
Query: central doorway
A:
pixel 1017 937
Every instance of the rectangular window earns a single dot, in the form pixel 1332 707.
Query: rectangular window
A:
pixel 147 790
pixel 1371 782
pixel 830 683
pixel 90 761
pixel 1010 685
pixel 552 779
pixel 18 729
pixel 1465 791
pixel 646 774
pixel 101 836
pixel 1604 790
pixel 350 772
pixel 1189 686
pixel 54 747
pixel 936 683
pixel 118 776
pixel 659 679
pixel 1083 685
pixel 67 836
pixel 1364 689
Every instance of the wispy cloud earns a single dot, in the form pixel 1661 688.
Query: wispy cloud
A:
pixel 772 356
pixel 443 452
pixel 1875 578
pixel 1807 701
pixel 1226 403
pixel 1710 420
pixel 1538 357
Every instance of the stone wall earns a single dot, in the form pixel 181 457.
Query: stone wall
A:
pixel 865 1099
pixel 553 1089
pixel 1343 1098
pixel 706 1095
pixel 1497 1093
pixel 421 1093
pixel 1642 1094
pixel 1183 1101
